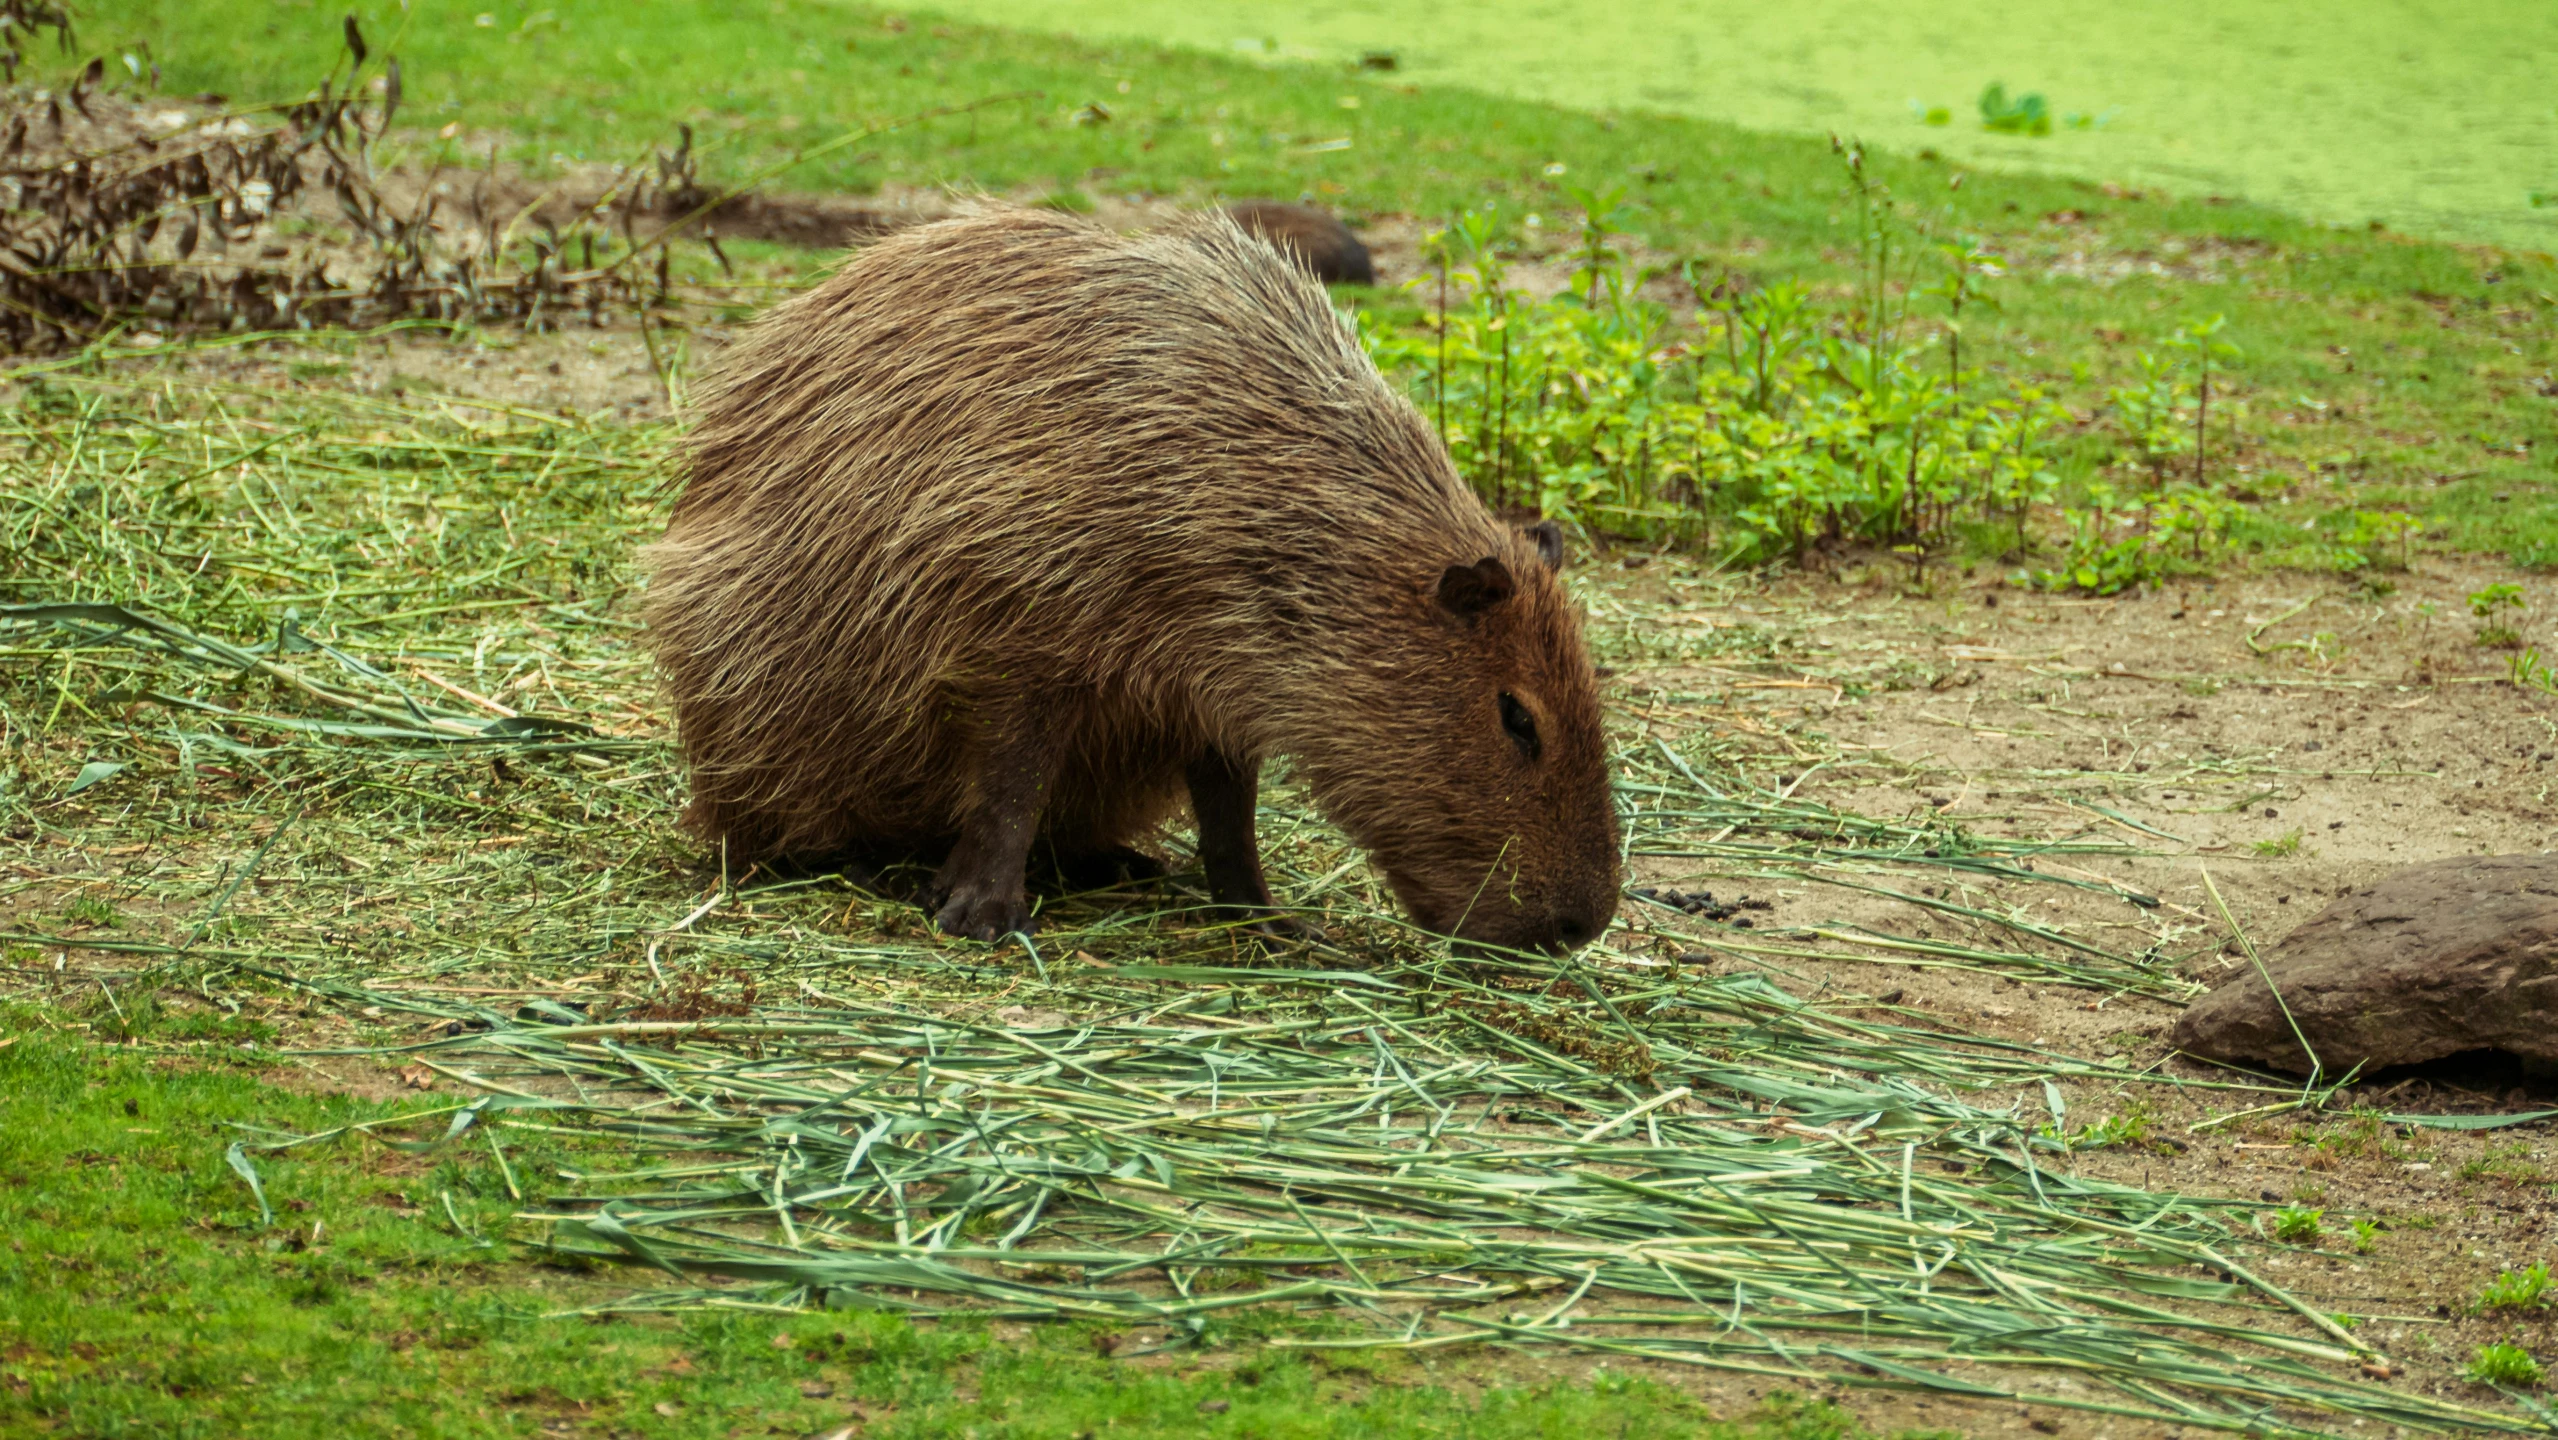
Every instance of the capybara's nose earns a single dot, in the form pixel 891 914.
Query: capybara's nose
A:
pixel 1574 931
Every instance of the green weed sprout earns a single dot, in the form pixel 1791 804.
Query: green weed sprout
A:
pixel 2117 544
pixel 2525 1289
pixel 2374 532
pixel 2281 847
pixel 91 910
pixel 2201 339
pixel 2504 1363
pixel 2499 609
pixel 2366 1232
pixel 2529 672
pixel 2128 1127
pixel 2148 412
pixel 2299 1225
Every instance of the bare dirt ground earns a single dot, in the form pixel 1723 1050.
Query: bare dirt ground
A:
pixel 2297 735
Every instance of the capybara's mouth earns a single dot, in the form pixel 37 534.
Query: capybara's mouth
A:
pixel 1511 931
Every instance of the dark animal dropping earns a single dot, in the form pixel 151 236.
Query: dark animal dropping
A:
pixel 1702 903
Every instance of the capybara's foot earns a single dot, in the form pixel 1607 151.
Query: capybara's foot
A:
pixel 1096 869
pixel 1281 929
pixel 1268 926
pixel 984 912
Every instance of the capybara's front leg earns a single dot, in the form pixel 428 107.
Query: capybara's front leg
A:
pixel 1224 792
pixel 981 892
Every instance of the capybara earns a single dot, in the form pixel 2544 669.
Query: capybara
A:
pixel 1014 532
pixel 1313 237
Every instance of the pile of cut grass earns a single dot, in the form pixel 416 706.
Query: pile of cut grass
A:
pixel 354 686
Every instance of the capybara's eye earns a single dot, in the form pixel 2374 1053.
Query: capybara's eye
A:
pixel 1521 725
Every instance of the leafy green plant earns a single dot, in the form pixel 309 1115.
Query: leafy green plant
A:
pixel 2201 340
pixel 2503 1363
pixel 2280 847
pixel 2116 544
pixel 2026 114
pixel 2149 412
pixel 1969 268
pixel 1785 425
pixel 2132 1126
pixel 2499 610
pixel 2299 1224
pixel 1601 264
pixel 2524 1289
pixel 2529 672
pixel 2375 534
pixel 2366 1234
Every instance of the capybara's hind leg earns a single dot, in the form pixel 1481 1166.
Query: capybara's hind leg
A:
pixel 1224 792
pixel 981 891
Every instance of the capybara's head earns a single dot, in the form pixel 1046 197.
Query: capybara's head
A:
pixel 1484 795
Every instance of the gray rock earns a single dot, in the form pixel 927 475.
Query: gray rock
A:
pixel 2432 960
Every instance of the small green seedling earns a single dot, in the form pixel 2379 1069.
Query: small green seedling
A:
pixel 2526 1289
pixel 2299 1224
pixel 2280 847
pixel 2376 533
pixel 2498 609
pixel 2366 1233
pixel 2201 340
pixel 2504 1363
pixel 2131 1127
pixel 2529 672
pixel 91 910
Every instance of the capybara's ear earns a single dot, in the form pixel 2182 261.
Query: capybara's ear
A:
pixel 1469 590
pixel 1549 538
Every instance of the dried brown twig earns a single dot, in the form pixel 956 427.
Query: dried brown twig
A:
pixel 271 218
pixel 264 220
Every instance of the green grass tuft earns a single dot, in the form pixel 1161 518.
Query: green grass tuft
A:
pixel 2524 1289
pixel 2504 1363
pixel 2299 1225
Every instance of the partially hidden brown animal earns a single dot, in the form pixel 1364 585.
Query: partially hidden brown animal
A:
pixel 1016 532
pixel 1313 237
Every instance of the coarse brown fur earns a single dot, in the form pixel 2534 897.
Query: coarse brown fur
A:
pixel 1310 235
pixel 1015 529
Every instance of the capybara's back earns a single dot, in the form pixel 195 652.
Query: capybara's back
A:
pixel 1018 531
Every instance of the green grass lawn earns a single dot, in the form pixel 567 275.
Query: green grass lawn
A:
pixel 2441 125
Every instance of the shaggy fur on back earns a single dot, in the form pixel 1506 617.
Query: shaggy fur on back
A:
pixel 1012 468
